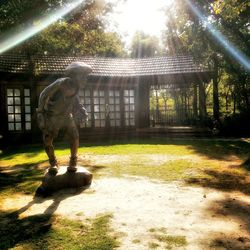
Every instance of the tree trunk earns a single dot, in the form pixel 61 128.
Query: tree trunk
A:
pixel 216 107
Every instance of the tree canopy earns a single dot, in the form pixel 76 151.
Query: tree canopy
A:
pixel 144 45
pixel 187 33
pixel 81 32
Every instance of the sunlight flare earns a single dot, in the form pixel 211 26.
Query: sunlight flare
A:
pixel 14 37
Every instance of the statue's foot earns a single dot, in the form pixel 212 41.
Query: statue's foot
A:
pixel 72 164
pixel 71 169
pixel 53 170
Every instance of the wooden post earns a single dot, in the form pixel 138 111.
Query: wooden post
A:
pixel 143 105
pixel 202 101
pixel 195 101
pixel 216 107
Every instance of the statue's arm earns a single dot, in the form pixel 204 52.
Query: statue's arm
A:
pixel 48 92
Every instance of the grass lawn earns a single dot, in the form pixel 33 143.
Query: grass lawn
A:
pixel 208 163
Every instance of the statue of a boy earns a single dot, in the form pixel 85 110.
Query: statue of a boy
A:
pixel 59 108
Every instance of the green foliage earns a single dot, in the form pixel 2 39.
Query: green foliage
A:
pixel 82 32
pixel 144 45
pixel 186 33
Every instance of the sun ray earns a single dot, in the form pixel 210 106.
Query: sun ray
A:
pixel 14 38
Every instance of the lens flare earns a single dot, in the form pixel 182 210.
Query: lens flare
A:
pixel 229 47
pixel 12 40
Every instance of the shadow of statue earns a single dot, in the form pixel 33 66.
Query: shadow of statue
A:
pixel 15 229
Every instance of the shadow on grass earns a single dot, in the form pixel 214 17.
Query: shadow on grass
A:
pixel 14 230
pixel 238 211
pixel 223 180
pixel 216 149
pixel 12 177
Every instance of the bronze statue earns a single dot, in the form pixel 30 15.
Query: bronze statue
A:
pixel 58 108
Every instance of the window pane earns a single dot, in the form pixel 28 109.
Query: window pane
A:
pixel 102 115
pixel 102 108
pixel 28 126
pixel 28 118
pixel 18 126
pixel 111 101
pixel 11 118
pixel 111 107
pixel 97 123
pixel 87 92
pixel 97 116
pixel 126 93
pixel 87 101
pixel 27 109
pixel 17 118
pixel 11 126
pixel 88 108
pixel 111 93
pixel 27 100
pixel 96 108
pixel 16 92
pixel 118 123
pixel 10 101
pixel 96 100
pixel 117 100
pixel 101 93
pixel 102 123
pixel 102 101
pixel 17 100
pixel 132 99
pixel 10 109
pixel 26 92
pixel 112 123
pixel 117 93
pixel 126 100
pixel 10 92
pixel 117 107
pixel 17 109
pixel 131 92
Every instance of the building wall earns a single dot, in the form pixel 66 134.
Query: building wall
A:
pixel 111 105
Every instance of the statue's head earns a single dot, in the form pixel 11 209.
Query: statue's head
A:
pixel 78 71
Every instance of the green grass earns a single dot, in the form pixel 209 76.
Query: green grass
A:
pixel 44 232
pixel 169 241
pixel 21 172
pixel 210 148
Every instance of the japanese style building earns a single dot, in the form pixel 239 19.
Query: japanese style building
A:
pixel 116 95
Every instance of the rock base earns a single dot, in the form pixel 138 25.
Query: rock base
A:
pixel 79 179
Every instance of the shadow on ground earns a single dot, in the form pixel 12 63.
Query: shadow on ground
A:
pixel 238 211
pixel 223 180
pixel 20 176
pixel 14 230
pixel 212 148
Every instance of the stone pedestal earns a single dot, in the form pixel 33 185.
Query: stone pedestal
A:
pixel 79 179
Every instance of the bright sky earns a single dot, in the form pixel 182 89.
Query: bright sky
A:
pixel 143 15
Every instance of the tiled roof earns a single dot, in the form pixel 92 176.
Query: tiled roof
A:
pixel 111 67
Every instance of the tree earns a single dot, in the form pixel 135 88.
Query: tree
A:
pixel 187 33
pixel 144 45
pixel 81 32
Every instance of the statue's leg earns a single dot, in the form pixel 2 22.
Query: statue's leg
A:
pixel 49 149
pixel 73 135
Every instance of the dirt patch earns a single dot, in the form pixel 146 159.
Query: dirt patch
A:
pixel 205 218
